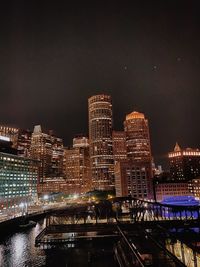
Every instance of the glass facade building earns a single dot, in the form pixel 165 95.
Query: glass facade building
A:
pixel 18 181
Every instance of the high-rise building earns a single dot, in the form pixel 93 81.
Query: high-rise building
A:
pixel 77 169
pixel 119 145
pixel 137 138
pixel 184 163
pixel 24 143
pixel 57 157
pixel 131 179
pixel 48 150
pixel 100 139
pixel 139 152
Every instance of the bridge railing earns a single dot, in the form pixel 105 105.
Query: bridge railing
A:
pixel 144 210
pixel 129 254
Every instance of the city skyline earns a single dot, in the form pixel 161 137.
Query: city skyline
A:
pixel 145 56
pixel 99 133
pixel 69 143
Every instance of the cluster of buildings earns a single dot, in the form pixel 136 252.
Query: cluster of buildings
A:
pixel 35 163
pixel 183 178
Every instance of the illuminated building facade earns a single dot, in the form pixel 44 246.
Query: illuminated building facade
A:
pixel 131 179
pixel 80 141
pixel 57 157
pixel 184 163
pixel 138 147
pixel 137 137
pixel 48 150
pixel 77 169
pixel 24 143
pixel 163 190
pixel 21 139
pixel 194 187
pixel 100 139
pixel 18 181
pixel 119 145
pixel 11 133
pixel 57 185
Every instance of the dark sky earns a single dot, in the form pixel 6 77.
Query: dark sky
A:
pixel 146 54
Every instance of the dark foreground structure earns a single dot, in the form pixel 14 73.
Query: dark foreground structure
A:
pixel 142 233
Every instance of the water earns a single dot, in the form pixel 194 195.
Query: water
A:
pixel 18 250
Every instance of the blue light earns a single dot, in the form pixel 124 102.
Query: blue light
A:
pixel 180 201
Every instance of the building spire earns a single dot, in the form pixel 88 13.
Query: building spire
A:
pixel 177 148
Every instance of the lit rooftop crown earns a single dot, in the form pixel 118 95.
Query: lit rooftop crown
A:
pixel 37 129
pixel 135 115
pixel 177 148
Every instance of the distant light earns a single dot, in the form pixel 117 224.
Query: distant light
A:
pixel 21 205
pixel 46 197
pixel 75 196
pixel 4 138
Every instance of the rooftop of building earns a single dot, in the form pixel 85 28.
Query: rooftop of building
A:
pixel 178 151
pixel 135 115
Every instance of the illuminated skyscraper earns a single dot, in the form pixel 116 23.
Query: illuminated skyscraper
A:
pixel 77 169
pixel 100 139
pixel 134 175
pixel 184 163
pixel 119 145
pixel 48 149
pixel 137 138
pixel 24 143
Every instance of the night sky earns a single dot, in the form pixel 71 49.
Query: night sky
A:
pixel 53 56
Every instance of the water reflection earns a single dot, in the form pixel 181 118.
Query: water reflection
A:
pixel 18 250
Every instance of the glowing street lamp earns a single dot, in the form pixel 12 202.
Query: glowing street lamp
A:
pixel 46 197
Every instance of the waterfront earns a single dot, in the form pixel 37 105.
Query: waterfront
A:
pixel 18 250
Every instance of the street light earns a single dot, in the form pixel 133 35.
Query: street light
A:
pixel 46 197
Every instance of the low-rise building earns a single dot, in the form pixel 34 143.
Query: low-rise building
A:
pixel 167 189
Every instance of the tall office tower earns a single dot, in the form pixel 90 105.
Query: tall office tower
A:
pixel 137 137
pixel 77 169
pixel 49 151
pixel 139 152
pixel 100 139
pixel 11 133
pixel 57 157
pixel 119 145
pixel 24 143
pixel 184 163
